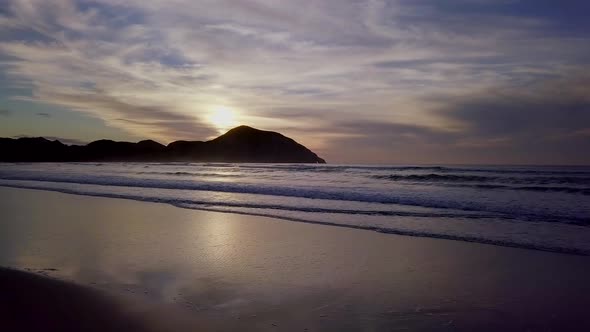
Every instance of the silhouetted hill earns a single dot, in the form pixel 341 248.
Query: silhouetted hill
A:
pixel 241 144
pixel 32 149
pixel 245 144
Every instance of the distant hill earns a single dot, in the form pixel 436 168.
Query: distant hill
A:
pixel 241 144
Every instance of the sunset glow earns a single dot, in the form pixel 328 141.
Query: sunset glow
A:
pixel 370 81
pixel 222 118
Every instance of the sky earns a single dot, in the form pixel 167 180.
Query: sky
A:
pixel 356 81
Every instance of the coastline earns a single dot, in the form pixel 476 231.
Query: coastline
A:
pixel 560 244
pixel 269 274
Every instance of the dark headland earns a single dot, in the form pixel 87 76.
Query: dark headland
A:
pixel 240 144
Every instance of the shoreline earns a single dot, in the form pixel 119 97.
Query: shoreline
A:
pixel 259 273
pixel 508 244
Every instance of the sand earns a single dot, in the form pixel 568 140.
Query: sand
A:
pixel 215 271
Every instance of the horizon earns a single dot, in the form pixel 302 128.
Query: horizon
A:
pixel 357 82
pixel 328 163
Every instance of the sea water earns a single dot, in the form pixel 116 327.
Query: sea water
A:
pixel 538 207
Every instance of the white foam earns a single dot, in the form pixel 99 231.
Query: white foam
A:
pixel 336 195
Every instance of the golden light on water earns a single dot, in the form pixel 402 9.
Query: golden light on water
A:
pixel 223 118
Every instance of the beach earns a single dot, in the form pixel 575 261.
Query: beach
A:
pixel 258 165
pixel 227 271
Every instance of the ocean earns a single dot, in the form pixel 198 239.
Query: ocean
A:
pixel 536 207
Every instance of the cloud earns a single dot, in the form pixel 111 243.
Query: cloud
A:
pixel 547 122
pixel 549 106
pixel 327 71
pixel 136 117
pixel 382 142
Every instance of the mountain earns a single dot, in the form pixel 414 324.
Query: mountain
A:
pixel 241 144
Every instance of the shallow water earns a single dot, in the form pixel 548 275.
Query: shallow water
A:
pixel 245 273
pixel 534 207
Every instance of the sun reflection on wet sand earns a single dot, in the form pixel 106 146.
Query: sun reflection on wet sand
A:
pixel 231 268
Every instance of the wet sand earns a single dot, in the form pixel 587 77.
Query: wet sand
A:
pixel 33 302
pixel 218 271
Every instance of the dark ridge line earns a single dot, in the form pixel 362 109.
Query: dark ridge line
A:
pixel 240 144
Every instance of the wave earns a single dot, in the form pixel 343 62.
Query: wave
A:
pixel 432 177
pixel 317 193
pixel 195 174
pixel 572 248
pixel 571 170
pixel 538 183
pixel 479 178
pixel 226 187
pixel 293 208
pixel 569 190
pixel 536 207
pixel 496 233
pixel 533 170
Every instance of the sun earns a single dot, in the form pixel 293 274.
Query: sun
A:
pixel 223 118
